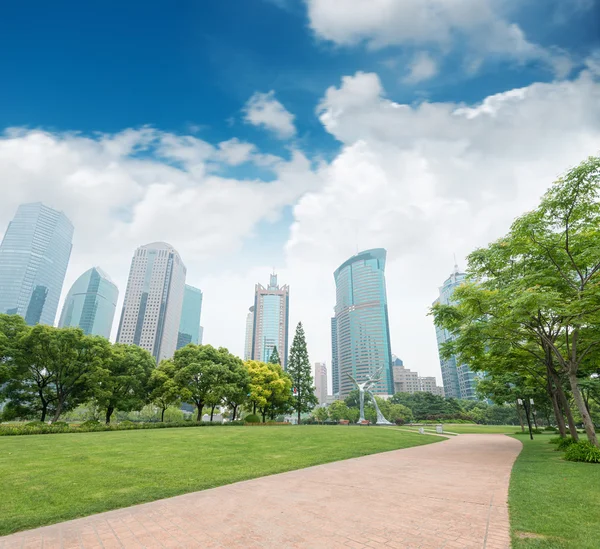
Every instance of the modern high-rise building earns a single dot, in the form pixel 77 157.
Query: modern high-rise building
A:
pixel 91 303
pixel 321 382
pixel 153 300
pixel 335 369
pixel 191 310
pixel 458 379
pixel 34 256
pixel 361 322
pixel 249 332
pixel 201 335
pixel 407 381
pixel 270 324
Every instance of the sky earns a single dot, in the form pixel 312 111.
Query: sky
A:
pixel 255 135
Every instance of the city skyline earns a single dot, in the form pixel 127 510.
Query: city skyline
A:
pixel 191 313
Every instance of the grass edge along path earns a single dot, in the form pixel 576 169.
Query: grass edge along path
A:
pixel 46 480
pixel 553 503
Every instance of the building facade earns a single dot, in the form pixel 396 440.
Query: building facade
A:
pixel 361 322
pixel 189 324
pixel 34 255
pixel 249 333
pixel 428 384
pixel 321 382
pixel 153 300
pixel 335 369
pixel 458 379
pixel 407 381
pixel 270 322
pixel 91 303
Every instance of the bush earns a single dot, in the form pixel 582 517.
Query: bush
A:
pixel 61 424
pixel 252 418
pixel 564 443
pixel 550 428
pixel 35 424
pixel 399 421
pixel 583 451
pixel 90 423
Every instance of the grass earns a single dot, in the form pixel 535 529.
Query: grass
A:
pixel 554 504
pixel 48 479
pixel 469 428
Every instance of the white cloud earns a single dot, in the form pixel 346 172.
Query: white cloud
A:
pixel 423 67
pixel 425 182
pixel 236 152
pixel 263 109
pixel 440 24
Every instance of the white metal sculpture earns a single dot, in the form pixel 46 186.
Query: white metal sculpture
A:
pixel 365 387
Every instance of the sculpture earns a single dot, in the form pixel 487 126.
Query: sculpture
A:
pixel 365 387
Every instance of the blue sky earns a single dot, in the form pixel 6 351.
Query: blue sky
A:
pixel 287 133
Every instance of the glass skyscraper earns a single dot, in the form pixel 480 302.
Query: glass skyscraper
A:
pixel 91 303
pixel 153 300
pixel 361 322
pixel 189 325
pixel 34 256
pixel 270 321
pixel 458 379
pixel 335 369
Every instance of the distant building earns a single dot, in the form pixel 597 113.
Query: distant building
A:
pixel 201 335
pixel 407 381
pixel 459 380
pixel 361 322
pixel 153 300
pixel 189 324
pixel 249 332
pixel 429 384
pixel 270 322
pixel 34 255
pixel 335 368
pixel 91 303
pixel 321 382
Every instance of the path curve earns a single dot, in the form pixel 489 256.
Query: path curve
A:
pixel 448 495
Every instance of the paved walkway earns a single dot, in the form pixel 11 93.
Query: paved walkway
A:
pixel 448 495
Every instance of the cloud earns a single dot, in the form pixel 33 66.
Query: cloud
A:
pixel 437 24
pixel 236 152
pixel 426 181
pixel 423 67
pixel 263 109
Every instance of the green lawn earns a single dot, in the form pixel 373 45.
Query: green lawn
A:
pixel 51 478
pixel 469 428
pixel 554 504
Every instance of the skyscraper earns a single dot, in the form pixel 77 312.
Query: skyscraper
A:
pixel 459 381
pixel 321 382
pixel 270 324
pixel 249 332
pixel 361 321
pixel 335 369
pixel 191 310
pixel 91 303
pixel 34 256
pixel 153 300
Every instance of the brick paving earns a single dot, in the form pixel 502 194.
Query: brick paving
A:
pixel 448 495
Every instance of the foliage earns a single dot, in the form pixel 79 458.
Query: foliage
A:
pixel 274 358
pixel 269 388
pixel 321 414
pixel 252 418
pixel 164 390
pixel 563 443
pixel 338 410
pixel 299 370
pixel 12 327
pixel 583 450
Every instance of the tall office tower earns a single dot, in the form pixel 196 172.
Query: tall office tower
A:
pixel 361 320
pixel 270 325
pixel 459 381
pixel 91 303
pixel 201 335
pixel 34 256
pixel 335 368
pixel 249 332
pixel 189 325
pixel 321 382
pixel 153 300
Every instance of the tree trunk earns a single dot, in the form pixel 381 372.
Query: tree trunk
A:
pixel 212 412
pixel 264 414
pixel 199 416
pixel 254 409
pixel 58 412
pixel 162 415
pixel 520 417
pixel 560 420
pixel 44 411
pixel 567 409
pixel 109 413
pixel 587 420
pixel 234 412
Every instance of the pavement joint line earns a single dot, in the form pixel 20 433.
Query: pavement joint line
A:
pixel 487 524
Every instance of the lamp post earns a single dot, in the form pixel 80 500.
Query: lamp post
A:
pixel 527 405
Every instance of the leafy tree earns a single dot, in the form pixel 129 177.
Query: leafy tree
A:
pixel 274 358
pixel 126 386
pixel 321 414
pixel 237 390
pixel 164 390
pixel 200 373
pixel 338 410
pixel 12 327
pixel 270 388
pixel 304 399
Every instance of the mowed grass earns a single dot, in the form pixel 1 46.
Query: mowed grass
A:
pixel 554 504
pixel 473 429
pixel 46 479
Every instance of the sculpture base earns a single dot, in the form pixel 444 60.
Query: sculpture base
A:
pixel 384 423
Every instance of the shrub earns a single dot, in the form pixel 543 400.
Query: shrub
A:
pixel 583 451
pixel 399 421
pixel 61 424
pixel 90 423
pixel 252 418
pixel 35 424
pixel 550 428
pixel 564 443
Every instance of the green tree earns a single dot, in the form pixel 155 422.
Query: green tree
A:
pixel 298 368
pixel 269 388
pixel 12 327
pixel 338 410
pixel 321 414
pixel 274 358
pixel 238 387
pixel 126 386
pixel 164 390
